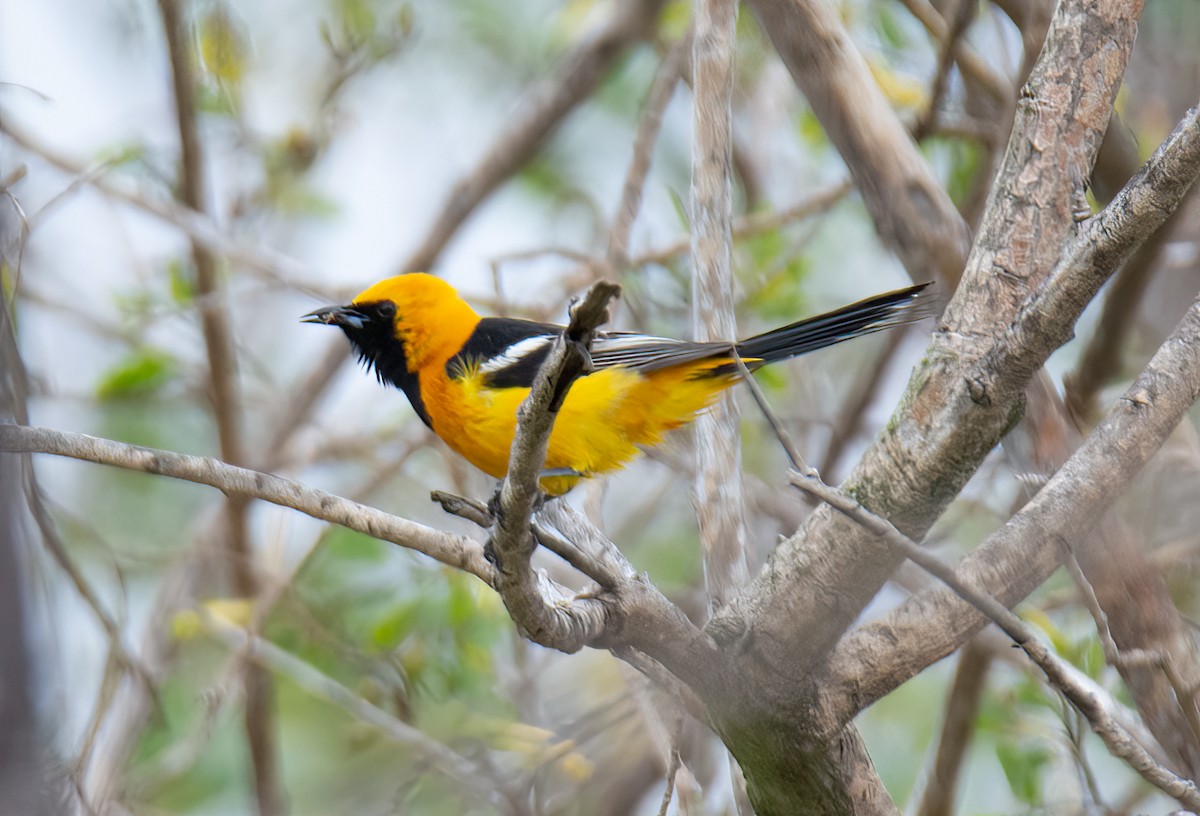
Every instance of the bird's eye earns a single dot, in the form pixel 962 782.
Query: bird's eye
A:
pixel 387 309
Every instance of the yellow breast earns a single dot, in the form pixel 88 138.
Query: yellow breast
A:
pixel 604 418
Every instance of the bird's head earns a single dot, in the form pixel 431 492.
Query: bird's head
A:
pixel 402 324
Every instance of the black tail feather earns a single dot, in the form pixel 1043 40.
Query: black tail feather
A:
pixel 865 317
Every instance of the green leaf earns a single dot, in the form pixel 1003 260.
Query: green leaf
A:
pixel 347 545
pixel 358 21
pixel 144 371
pixel 179 283
pixel 223 48
pixel 890 29
pixel 1023 767
pixel 681 208
pixel 810 130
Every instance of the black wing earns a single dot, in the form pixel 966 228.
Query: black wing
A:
pixel 506 351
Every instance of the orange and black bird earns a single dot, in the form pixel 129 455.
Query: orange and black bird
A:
pixel 465 375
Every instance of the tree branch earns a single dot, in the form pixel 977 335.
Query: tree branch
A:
pixel 718 484
pixel 1061 675
pixel 956 408
pixel 197 226
pixel 226 402
pixel 657 98
pixel 633 613
pixel 1020 556
pixel 471 778
pixel 453 551
pixel 958 724
pixel 544 616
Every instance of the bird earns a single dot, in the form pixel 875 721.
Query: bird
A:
pixel 465 375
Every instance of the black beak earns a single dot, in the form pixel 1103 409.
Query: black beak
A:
pixel 337 316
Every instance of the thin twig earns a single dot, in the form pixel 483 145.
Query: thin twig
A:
pixel 756 223
pixel 928 119
pixel 672 770
pixel 197 226
pixel 661 90
pixel 850 415
pixel 998 87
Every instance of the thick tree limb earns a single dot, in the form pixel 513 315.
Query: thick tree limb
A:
pixel 956 408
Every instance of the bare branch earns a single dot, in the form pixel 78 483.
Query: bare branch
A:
pixel 999 88
pixel 197 226
pixel 226 402
pixel 657 98
pixel 545 617
pixel 718 485
pixel 958 724
pixel 451 550
pixel 757 223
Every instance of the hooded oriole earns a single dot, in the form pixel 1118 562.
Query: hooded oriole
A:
pixel 465 375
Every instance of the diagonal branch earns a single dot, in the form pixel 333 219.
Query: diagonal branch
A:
pixel 1061 675
pixel 913 215
pixel 649 124
pixel 543 616
pixel 632 614
pixel 1020 556
pixel 451 550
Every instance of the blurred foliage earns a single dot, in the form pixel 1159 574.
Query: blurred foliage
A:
pixel 313 115
pixel 142 373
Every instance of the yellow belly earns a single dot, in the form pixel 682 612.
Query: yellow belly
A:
pixel 603 420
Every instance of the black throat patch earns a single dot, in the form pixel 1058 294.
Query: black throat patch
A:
pixel 379 349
